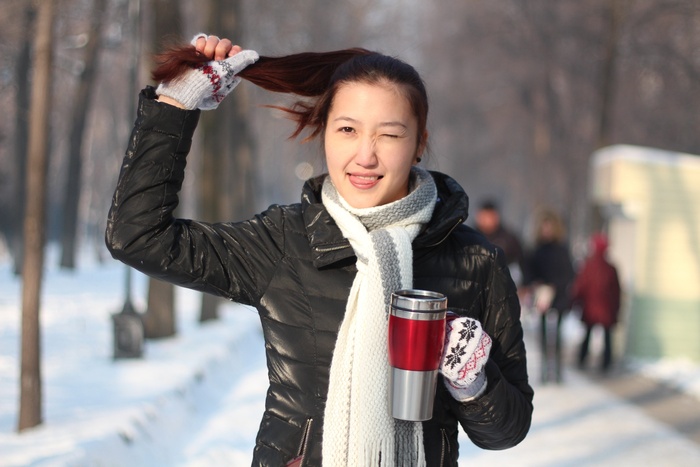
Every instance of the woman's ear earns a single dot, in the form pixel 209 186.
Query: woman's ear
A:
pixel 422 143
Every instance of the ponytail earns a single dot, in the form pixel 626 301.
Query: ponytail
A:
pixel 305 74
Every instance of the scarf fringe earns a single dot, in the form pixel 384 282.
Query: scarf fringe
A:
pixel 406 454
pixel 399 453
pixel 379 453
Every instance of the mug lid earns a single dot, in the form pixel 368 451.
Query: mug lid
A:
pixel 418 300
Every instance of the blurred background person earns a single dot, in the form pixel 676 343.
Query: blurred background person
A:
pixel 549 275
pixel 596 291
pixel 488 222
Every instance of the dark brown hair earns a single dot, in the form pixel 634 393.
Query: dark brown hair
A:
pixel 312 74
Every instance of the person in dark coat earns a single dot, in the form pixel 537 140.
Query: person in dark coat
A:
pixel 321 272
pixel 489 223
pixel 596 292
pixel 550 273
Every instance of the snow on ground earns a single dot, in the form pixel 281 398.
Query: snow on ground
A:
pixel 102 410
pixel 197 399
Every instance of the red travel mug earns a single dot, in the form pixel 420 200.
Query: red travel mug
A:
pixel 416 341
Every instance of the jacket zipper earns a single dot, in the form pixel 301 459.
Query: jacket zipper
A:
pixel 303 445
pixel 445 446
pixel 459 221
pixel 332 248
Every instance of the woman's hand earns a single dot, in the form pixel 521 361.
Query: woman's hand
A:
pixel 205 86
pixel 467 348
pixel 214 48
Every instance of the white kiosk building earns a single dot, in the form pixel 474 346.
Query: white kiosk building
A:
pixel 650 202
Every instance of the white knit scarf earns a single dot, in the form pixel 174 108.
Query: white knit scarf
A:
pixel 359 430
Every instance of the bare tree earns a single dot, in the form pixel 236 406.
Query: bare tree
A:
pixel 30 408
pixel 227 178
pixel 76 142
pixel 614 17
pixel 23 62
pixel 159 318
pixel 658 63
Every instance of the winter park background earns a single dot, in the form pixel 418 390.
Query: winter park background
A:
pixel 522 95
pixel 197 399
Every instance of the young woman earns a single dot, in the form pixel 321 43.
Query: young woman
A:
pixel 550 268
pixel 321 272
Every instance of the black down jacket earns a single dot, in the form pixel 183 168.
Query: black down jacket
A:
pixel 293 264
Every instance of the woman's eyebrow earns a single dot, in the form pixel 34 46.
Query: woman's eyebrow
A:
pixel 392 123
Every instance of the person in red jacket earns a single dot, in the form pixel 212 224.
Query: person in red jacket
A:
pixel 597 292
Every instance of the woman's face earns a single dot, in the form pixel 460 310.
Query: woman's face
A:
pixel 547 230
pixel 371 142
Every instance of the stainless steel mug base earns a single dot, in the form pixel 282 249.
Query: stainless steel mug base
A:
pixel 412 394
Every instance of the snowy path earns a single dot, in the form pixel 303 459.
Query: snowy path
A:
pixel 575 424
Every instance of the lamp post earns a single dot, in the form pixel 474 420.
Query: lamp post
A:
pixel 128 324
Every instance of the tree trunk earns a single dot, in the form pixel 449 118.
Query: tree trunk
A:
pixel 607 84
pixel 225 188
pixel 30 409
pixel 159 319
pixel 72 188
pixel 210 185
pixel 210 308
pixel 22 81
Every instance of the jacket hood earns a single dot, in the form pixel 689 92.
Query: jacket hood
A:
pixel 329 245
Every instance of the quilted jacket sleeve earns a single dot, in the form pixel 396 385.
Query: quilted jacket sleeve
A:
pixel 234 261
pixel 501 417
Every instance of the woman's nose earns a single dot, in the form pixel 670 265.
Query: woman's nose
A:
pixel 366 152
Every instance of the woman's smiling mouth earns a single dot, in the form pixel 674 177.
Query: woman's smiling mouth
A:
pixel 364 181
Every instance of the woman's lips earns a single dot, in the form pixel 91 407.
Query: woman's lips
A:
pixel 364 182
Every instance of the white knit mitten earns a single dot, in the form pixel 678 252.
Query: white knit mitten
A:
pixel 206 86
pixel 466 352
